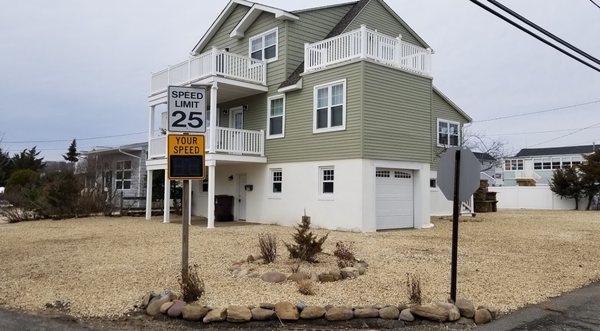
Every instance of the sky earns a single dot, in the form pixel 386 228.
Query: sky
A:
pixel 81 69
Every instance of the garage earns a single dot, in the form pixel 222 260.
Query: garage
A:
pixel 394 198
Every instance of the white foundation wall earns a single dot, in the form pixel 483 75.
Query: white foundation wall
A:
pixel 440 206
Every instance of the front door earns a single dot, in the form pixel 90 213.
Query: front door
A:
pixel 241 197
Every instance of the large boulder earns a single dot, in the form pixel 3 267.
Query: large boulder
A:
pixel 146 299
pixel 431 312
pixel 194 312
pixel 466 308
pixel 482 316
pixel 339 314
pixel 156 302
pixel 453 312
pixel 406 315
pixel 273 277
pixel 312 312
pixel 238 314
pixel 176 309
pixel 165 307
pixel 215 315
pixel 366 312
pixel 286 311
pixel 262 314
pixel 389 313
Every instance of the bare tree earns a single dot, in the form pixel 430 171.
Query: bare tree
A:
pixel 479 142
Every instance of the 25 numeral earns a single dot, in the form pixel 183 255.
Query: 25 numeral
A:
pixel 194 120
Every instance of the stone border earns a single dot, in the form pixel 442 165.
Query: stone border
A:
pixel 168 304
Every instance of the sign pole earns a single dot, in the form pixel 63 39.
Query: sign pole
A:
pixel 185 222
pixel 455 212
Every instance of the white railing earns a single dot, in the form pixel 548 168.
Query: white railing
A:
pixel 467 207
pixel 365 43
pixel 228 140
pixel 527 174
pixel 211 63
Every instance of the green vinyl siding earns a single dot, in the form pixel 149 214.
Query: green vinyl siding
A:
pixel 376 17
pixel 221 38
pixel 397 115
pixel 300 143
pixel 443 110
pixel 312 26
pixel 254 115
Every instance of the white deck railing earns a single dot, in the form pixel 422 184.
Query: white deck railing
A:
pixel 228 140
pixel 365 43
pixel 211 63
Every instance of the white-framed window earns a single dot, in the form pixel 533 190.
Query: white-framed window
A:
pixel 330 107
pixel 513 165
pixel 448 133
pixel 382 173
pixel 123 175
pixel 264 46
pixel 276 116
pixel 326 180
pixel 276 181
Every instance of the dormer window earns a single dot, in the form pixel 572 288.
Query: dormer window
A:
pixel 264 46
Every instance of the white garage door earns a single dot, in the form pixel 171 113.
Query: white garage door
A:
pixel 395 201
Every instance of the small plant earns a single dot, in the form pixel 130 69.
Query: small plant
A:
pixel 268 247
pixel 344 254
pixel 295 268
pixel 307 244
pixel 192 287
pixel 306 287
pixel 413 288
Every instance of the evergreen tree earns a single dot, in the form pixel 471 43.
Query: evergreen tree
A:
pixel 72 155
pixel 5 167
pixel 567 184
pixel 28 159
pixel 590 176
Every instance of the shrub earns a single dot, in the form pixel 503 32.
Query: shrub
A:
pixel 268 247
pixel 306 287
pixel 91 201
pixel 344 254
pixel 192 287
pixel 23 190
pixel 295 268
pixel 60 194
pixel 307 244
pixel 413 288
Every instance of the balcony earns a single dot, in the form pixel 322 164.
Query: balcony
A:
pixel 227 140
pixel 212 63
pixel 367 44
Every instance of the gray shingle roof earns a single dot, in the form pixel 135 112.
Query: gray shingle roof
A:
pixel 557 150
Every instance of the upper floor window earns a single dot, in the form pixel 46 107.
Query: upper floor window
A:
pixel 123 175
pixel 264 46
pixel 448 133
pixel 276 116
pixel 330 107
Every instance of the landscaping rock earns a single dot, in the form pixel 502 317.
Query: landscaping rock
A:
pixel 176 309
pixel 262 314
pixel 154 305
pixel 194 312
pixel 146 299
pixel 431 311
pixel 234 268
pixel 312 312
pixel 326 277
pixel 266 305
pixel 314 277
pixel 298 276
pixel 361 270
pixel 238 314
pixel 300 306
pixel 389 313
pixel 165 307
pixel 286 311
pixel 466 308
pixel 215 315
pixel 465 321
pixel 366 313
pixel 406 315
pixel 349 272
pixel 452 310
pixel 361 263
pixel 273 277
pixel 339 314
pixel 482 316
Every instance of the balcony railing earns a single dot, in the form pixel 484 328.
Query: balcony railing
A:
pixel 365 43
pixel 211 63
pixel 227 140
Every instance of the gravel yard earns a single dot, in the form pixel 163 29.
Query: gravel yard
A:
pixel 103 266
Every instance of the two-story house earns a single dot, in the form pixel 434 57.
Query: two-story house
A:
pixel 327 111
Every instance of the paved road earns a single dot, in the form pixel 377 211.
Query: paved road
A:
pixel 577 310
pixel 13 321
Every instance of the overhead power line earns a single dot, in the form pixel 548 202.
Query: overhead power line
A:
pixel 595 4
pixel 534 35
pixel 540 132
pixel 566 135
pixel 68 140
pixel 544 31
pixel 538 112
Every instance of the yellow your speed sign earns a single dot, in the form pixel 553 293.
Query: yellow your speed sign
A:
pixel 185 156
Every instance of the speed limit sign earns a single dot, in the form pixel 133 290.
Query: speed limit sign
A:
pixel 187 109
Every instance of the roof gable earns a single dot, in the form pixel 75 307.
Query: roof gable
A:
pixel 254 13
pixel 452 104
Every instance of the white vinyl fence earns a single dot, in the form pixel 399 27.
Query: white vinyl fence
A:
pixel 532 197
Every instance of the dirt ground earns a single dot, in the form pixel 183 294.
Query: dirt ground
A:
pixel 102 267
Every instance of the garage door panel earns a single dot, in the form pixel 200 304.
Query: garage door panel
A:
pixel 394 199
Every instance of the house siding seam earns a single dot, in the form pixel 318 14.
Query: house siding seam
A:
pixel 397 112
pixel 377 17
pixel 442 110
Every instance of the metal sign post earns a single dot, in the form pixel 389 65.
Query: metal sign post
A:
pixel 185 234
pixel 455 212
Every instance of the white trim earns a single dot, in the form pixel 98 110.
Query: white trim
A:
pixel 262 35
pixel 322 195
pixel 254 13
pixel 275 195
pixel 282 134
pixel 344 106
pixel 289 88
pixel 437 132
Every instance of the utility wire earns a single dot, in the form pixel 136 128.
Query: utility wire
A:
pixel 566 135
pixel 544 31
pixel 534 35
pixel 539 132
pixel 68 140
pixel 595 4
pixel 538 112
